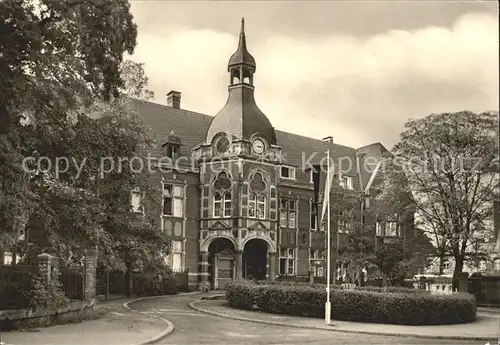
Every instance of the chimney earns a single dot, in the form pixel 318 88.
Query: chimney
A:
pixel 328 139
pixel 174 99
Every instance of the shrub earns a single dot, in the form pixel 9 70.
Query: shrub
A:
pixel 354 305
pixel 339 287
pixel 49 297
pixel 391 289
pixel 145 284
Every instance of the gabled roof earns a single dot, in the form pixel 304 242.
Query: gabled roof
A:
pixel 161 120
pixel 192 127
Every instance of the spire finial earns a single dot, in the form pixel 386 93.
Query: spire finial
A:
pixel 242 42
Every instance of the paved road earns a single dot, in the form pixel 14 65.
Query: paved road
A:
pixel 195 328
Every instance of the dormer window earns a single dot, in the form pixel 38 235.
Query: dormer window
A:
pixel 172 146
pixel 287 172
pixel 172 151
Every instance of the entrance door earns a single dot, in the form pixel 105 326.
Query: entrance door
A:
pixel 224 271
pixel 255 259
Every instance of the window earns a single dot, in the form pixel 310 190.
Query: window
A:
pixel 346 182
pixel 288 213
pixel 378 229
pixel 446 265
pixel 288 173
pixel 7 258
pixel 391 227
pixel 316 262
pixel 344 226
pixel 176 256
pixel 313 216
pixel 496 264
pixel 257 206
pixel 173 200
pixel 287 261
pixel 274 203
pixel 172 151
pixel 345 222
pixel 222 205
pixel 136 200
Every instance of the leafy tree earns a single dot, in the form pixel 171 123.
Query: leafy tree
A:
pixel 60 97
pixel 89 204
pixel 135 80
pixel 56 57
pixel 400 259
pixel 389 258
pixel 447 166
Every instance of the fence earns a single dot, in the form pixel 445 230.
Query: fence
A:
pixel 113 283
pixel 71 279
pixel 486 289
pixel 110 283
pixel 15 280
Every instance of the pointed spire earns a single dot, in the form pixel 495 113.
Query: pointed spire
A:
pixel 242 44
pixel 242 55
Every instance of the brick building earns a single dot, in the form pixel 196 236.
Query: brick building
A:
pixel 238 199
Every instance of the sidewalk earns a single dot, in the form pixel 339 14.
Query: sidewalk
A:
pixel 488 310
pixel 119 326
pixel 485 328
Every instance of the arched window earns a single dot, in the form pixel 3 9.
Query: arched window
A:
pixel 222 205
pixel 257 202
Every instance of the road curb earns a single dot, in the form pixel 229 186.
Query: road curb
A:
pixel 193 305
pixel 170 328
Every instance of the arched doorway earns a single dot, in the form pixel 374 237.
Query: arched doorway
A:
pixel 221 262
pixel 255 259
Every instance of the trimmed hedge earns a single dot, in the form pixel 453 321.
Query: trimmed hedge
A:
pixel 353 305
pixel 338 287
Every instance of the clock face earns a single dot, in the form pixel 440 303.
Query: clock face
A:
pixel 258 146
pixel 222 144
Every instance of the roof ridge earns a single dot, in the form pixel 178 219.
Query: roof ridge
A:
pixel 315 139
pixel 189 112
pixel 160 105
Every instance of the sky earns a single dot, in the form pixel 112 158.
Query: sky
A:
pixel 354 70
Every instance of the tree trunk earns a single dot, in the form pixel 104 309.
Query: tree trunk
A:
pixel 128 280
pixel 459 266
pixel 107 284
pixel 441 260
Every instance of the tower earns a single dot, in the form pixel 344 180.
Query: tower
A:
pixel 239 162
pixel 241 118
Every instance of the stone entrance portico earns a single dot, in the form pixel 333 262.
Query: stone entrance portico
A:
pixel 225 258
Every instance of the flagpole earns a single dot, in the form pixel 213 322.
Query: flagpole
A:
pixel 328 307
